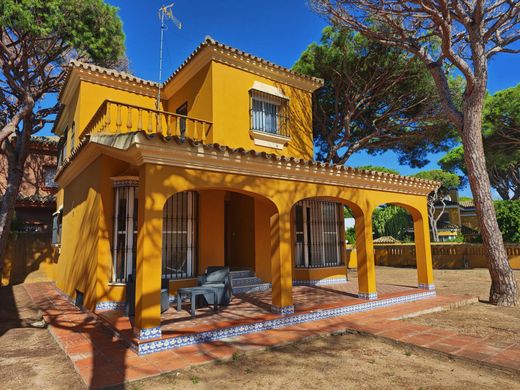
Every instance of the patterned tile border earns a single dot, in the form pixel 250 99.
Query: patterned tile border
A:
pixel 100 306
pixel 284 310
pixel 218 334
pixel 148 333
pixel 257 288
pixel 369 296
pixel 425 286
pixel 320 282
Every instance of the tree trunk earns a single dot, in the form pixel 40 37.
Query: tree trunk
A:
pixel 14 179
pixel 504 289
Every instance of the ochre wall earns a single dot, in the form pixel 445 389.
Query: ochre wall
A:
pixel 470 221
pixel 453 255
pixel 231 117
pixel 211 229
pixel 29 257
pixel 85 261
pixel 197 92
pixel 241 233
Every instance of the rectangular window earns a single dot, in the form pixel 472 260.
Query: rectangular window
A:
pixel 49 172
pixel 56 227
pixel 72 136
pixel 125 232
pixel 268 113
pixel 319 234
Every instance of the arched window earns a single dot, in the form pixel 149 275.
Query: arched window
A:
pixel 180 236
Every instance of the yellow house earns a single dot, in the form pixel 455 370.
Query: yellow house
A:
pixel 220 172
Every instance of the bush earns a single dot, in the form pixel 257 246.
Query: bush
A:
pixel 508 217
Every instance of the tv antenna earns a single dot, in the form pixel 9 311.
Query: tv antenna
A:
pixel 165 13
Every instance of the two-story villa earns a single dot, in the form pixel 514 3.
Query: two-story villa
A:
pixel 220 173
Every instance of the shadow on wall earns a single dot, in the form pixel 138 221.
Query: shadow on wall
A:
pixel 29 256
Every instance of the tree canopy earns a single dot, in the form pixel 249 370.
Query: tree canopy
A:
pixel 37 39
pixel 375 98
pixel 501 113
pixel 508 216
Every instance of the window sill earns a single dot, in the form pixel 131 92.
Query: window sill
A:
pixel 269 140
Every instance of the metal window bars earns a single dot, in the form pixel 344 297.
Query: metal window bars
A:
pixel 180 236
pixel 319 234
pixel 268 113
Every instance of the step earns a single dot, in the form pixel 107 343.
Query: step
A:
pixel 252 288
pixel 248 281
pixel 242 274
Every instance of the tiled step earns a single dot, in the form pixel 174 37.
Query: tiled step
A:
pixel 242 274
pixel 250 280
pixel 252 288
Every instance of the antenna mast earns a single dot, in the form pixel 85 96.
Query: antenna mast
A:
pixel 165 12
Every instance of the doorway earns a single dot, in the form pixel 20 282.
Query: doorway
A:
pixel 239 226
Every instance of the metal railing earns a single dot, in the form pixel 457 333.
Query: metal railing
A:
pixel 115 118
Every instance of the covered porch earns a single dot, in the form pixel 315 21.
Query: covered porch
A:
pixel 251 313
pixel 190 205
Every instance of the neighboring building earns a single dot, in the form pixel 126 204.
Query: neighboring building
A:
pixel 36 200
pixel 221 175
pixel 458 218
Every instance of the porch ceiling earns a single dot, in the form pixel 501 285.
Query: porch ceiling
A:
pixel 139 148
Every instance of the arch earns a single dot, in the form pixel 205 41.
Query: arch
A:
pixel 423 258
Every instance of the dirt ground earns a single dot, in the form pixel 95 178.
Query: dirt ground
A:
pixel 480 319
pixel 30 358
pixel 342 362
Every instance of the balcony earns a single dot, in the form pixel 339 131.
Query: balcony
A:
pixel 118 118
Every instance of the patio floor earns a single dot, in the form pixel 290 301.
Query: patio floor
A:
pixel 250 313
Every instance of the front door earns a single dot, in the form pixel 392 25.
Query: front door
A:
pixel 239 225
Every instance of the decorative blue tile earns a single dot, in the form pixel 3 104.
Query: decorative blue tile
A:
pixel 369 296
pixel 110 306
pixel 320 282
pixel 426 286
pixel 285 310
pixel 218 334
pixel 147 333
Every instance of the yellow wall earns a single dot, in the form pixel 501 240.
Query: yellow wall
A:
pixel 470 221
pixel 211 229
pixel 231 121
pixel 453 255
pixel 198 93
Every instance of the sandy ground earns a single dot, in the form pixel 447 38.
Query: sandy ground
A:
pixel 29 356
pixel 342 362
pixel 480 319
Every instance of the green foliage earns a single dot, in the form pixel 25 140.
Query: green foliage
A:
pixel 380 169
pixel 347 212
pixel 350 235
pixel 448 180
pixel 392 221
pixel 508 217
pixel 90 28
pixel 501 114
pixel 374 98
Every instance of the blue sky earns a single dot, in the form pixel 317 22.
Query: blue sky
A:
pixel 273 29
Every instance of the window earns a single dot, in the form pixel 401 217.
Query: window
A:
pixel 49 172
pixel 62 148
pixel 72 135
pixel 180 236
pixel 125 230
pixel 182 110
pixel 56 227
pixel 319 234
pixel 268 113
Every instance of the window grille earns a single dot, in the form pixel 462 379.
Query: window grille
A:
pixel 49 172
pixel 56 227
pixel 319 234
pixel 125 230
pixel 180 236
pixel 268 113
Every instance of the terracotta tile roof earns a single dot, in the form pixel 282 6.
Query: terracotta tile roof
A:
pixel 209 41
pixel 294 162
pixel 467 203
pixel 386 240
